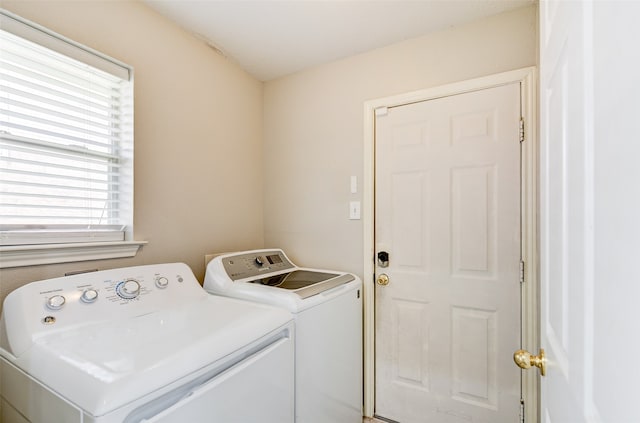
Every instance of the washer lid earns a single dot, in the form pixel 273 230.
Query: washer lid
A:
pixel 103 366
pixel 305 283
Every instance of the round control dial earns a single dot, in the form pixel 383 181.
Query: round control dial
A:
pixel 89 295
pixel 128 289
pixel 162 282
pixel 56 302
pixel 258 261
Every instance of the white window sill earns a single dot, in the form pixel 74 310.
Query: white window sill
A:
pixel 31 255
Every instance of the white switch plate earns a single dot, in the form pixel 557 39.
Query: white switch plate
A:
pixel 354 184
pixel 354 210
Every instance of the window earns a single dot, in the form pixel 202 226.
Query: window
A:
pixel 66 140
pixel 65 146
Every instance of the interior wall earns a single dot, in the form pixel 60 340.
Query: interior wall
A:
pixel 198 136
pixel 199 157
pixel 313 128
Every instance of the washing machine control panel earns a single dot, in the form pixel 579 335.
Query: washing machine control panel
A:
pixel 49 305
pixel 113 286
pixel 254 263
pixel 98 287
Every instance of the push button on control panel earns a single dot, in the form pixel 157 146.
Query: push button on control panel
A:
pixel 49 320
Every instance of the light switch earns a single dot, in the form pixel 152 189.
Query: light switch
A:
pixel 354 184
pixel 354 210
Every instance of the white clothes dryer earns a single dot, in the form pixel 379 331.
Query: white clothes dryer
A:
pixel 142 344
pixel 327 309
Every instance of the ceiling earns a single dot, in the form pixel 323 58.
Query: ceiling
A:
pixel 270 39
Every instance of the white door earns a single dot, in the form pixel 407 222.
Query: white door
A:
pixel 590 209
pixel 447 212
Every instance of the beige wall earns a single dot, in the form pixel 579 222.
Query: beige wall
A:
pixel 314 127
pixel 200 165
pixel 198 133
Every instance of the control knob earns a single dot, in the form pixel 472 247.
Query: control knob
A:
pixel 162 282
pixel 259 261
pixel 56 302
pixel 89 295
pixel 128 289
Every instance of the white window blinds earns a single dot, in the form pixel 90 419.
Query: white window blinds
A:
pixel 66 141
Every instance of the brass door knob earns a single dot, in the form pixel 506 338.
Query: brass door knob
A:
pixel 383 280
pixel 525 360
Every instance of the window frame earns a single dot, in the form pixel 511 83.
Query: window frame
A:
pixel 47 244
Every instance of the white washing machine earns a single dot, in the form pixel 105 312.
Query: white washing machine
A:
pixel 142 344
pixel 327 307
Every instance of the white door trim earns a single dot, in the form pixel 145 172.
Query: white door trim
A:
pixel 527 78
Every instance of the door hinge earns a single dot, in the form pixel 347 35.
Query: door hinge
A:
pixel 521 410
pixel 521 129
pixel 521 271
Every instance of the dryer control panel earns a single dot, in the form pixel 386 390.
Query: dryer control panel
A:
pixel 254 263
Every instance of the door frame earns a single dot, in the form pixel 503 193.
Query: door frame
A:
pixel 527 77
